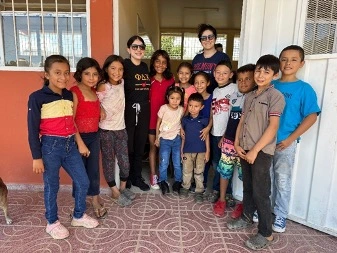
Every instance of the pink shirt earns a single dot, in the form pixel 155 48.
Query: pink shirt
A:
pixel 188 91
pixel 170 121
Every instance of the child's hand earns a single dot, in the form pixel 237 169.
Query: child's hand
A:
pixel 206 157
pixel 283 144
pixel 38 166
pixel 82 148
pixel 157 143
pixel 102 114
pixel 204 133
pixel 251 156
pixel 182 133
pixel 240 151
pixel 220 142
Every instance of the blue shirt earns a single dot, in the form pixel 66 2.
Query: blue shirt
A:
pixel 206 111
pixel 192 127
pixel 301 101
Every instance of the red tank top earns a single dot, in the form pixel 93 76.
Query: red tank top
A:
pixel 87 113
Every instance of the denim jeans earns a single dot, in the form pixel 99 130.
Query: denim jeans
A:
pixel 91 163
pixel 165 149
pixel 216 155
pixel 256 191
pixel 281 174
pixel 57 152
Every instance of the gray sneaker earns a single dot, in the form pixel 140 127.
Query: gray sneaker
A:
pixel 199 197
pixel 183 193
pixel 239 224
pixel 213 197
pixel 122 200
pixel 128 193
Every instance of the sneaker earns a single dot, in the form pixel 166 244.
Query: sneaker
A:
pixel 164 187
pixel 139 182
pixel 128 193
pixel 198 197
pixel 237 211
pixel 239 224
pixel 122 200
pixel 230 201
pixel 255 217
pixel 214 196
pixel 176 186
pixel 86 221
pixel 279 224
pixel 154 182
pixel 219 208
pixel 183 193
pixel 57 230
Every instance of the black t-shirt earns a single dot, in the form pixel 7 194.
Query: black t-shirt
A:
pixel 136 82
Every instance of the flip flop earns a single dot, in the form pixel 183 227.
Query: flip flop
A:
pixel 100 213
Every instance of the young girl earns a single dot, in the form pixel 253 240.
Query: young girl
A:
pixel 113 135
pixel 184 73
pixel 201 82
pixel 86 114
pixel 168 137
pixel 50 115
pixel 137 108
pixel 161 78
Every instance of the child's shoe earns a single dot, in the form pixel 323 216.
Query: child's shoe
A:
pixel 237 211
pixel 279 224
pixel 164 187
pixel 176 186
pixel 255 217
pixel 57 230
pixel 86 221
pixel 214 196
pixel 183 193
pixel 219 208
pixel 128 193
pixel 122 200
pixel 239 224
pixel 154 182
pixel 198 197
pixel 230 201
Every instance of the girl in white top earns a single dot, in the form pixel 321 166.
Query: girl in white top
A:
pixel 168 137
pixel 113 136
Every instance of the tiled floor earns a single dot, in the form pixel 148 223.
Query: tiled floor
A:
pixel 153 223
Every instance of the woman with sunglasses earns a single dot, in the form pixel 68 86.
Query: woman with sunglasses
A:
pixel 210 57
pixel 137 108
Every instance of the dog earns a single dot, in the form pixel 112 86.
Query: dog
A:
pixel 4 201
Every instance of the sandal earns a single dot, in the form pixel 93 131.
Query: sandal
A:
pixel 239 224
pixel 100 213
pixel 258 242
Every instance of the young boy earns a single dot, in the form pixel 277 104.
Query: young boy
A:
pixel 229 158
pixel 220 114
pixel 300 113
pixel 255 143
pixel 194 150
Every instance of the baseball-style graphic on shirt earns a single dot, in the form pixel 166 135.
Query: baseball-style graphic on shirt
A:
pixel 221 105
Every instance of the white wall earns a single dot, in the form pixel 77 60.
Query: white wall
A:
pixel 267 27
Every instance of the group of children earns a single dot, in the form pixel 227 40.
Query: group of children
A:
pixel 253 125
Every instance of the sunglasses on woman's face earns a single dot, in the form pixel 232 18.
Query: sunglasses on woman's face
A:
pixel 135 47
pixel 209 37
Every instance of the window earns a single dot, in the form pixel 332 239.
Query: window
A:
pixel 320 36
pixel 236 47
pixel 171 43
pixel 149 47
pixel 33 30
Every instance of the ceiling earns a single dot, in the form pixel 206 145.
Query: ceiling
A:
pixel 222 14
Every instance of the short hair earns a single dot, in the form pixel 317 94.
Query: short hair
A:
pixel 268 61
pixel 218 45
pixel 196 97
pixel 204 27
pixel 84 64
pixel 294 47
pixel 224 63
pixel 167 74
pixel 246 68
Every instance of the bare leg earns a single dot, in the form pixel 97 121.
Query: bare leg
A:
pixel 223 188
pixel 115 192
pixel 122 185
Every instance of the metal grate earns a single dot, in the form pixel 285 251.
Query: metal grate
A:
pixel 320 36
pixel 191 46
pixel 149 47
pixel 236 48
pixel 171 43
pixel 32 30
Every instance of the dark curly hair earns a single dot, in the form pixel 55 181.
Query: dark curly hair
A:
pixel 167 74
pixel 84 64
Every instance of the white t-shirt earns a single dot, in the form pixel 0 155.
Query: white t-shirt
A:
pixel 221 108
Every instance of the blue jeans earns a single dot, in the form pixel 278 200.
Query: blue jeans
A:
pixel 57 152
pixel 216 155
pixel 281 173
pixel 165 149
